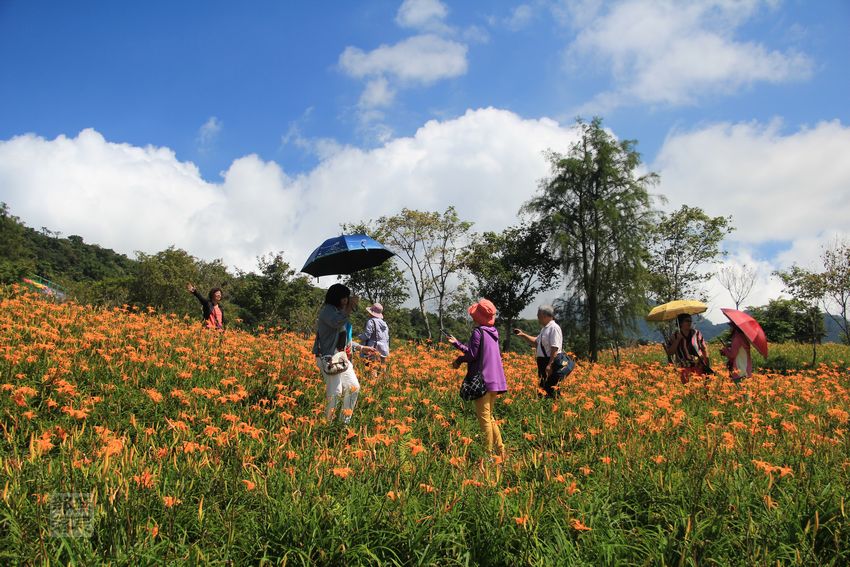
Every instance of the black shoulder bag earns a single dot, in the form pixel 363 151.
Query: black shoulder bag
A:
pixel 473 386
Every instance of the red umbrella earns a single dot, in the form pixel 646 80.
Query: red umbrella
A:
pixel 750 327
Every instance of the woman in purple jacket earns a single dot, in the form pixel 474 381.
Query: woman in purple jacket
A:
pixel 483 353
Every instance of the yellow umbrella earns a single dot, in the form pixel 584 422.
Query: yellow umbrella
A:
pixel 673 309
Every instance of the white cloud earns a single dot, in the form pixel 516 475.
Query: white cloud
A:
pixel 765 288
pixel 416 61
pixel 806 252
pixel 208 132
pixel 371 125
pixel 425 15
pixel 143 198
pixel 778 187
pixel 674 51
pixel 476 34
pixel 576 14
pixel 322 148
pixel 132 198
pixel 421 59
pixel 520 17
pixel 377 93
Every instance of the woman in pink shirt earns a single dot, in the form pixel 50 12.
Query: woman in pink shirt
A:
pixel 737 354
pixel 213 313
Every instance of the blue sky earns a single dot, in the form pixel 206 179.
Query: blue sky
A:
pixel 236 107
pixel 154 72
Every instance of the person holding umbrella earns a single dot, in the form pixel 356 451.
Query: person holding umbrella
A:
pixel 737 352
pixel 745 332
pixel 687 346
pixel 333 356
pixel 333 346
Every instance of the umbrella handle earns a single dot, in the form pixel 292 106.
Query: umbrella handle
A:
pixel 669 358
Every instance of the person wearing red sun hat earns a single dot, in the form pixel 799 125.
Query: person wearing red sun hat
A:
pixel 483 354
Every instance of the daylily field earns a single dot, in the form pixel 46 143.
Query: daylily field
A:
pixel 183 445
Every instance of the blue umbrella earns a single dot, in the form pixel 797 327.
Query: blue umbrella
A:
pixel 346 254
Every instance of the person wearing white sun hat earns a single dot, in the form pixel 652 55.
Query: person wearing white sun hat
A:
pixel 376 334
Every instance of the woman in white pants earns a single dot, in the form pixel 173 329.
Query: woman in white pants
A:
pixel 333 338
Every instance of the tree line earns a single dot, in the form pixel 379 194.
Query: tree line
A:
pixel 593 233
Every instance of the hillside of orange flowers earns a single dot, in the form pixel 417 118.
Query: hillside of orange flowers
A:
pixel 135 437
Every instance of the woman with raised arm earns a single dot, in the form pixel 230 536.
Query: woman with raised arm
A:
pixel 213 312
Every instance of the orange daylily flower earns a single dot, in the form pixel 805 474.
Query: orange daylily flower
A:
pixel 343 472
pixel 171 501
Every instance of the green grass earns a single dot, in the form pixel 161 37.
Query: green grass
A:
pixel 700 475
pixel 782 357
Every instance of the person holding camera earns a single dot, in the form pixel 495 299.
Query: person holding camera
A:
pixel 483 354
pixel 332 348
pixel 549 342
pixel 687 346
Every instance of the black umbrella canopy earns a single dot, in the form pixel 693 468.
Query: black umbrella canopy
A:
pixel 346 254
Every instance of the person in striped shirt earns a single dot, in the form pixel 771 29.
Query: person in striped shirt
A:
pixel 687 346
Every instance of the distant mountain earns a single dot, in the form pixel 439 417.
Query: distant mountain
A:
pixel 833 331
pixel 649 332
pixel 710 331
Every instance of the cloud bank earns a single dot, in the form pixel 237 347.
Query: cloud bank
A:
pixel 437 52
pixel 144 198
pixel 790 187
pixel 777 186
pixel 788 192
pixel 674 52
